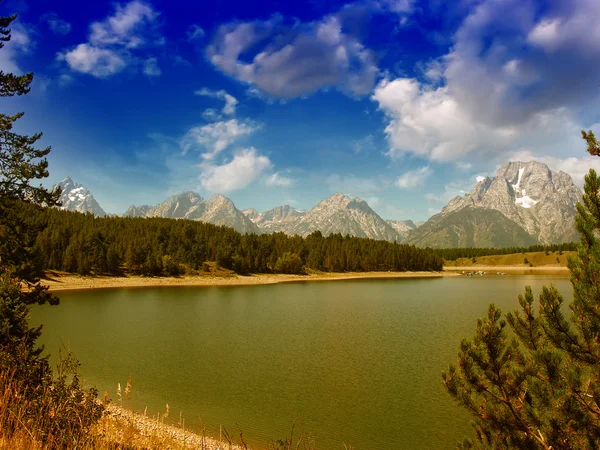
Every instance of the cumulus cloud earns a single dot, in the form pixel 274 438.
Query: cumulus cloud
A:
pixel 413 178
pixel 215 137
pixel 127 27
pixel 510 74
pixel 290 60
pixel 278 180
pixel 57 25
pixel 245 167
pixel 230 101
pixel 115 43
pixel 95 61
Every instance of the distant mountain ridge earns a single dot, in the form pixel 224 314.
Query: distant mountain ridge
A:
pixel 524 204
pixel 219 210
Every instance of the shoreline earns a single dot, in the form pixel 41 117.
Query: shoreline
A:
pixel 513 270
pixel 64 282
pixel 74 282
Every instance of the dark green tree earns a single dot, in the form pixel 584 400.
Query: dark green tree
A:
pixel 29 390
pixel 20 164
pixel 539 389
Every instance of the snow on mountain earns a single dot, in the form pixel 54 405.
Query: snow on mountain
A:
pixel 76 197
pixel 538 200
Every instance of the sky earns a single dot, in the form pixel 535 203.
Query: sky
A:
pixel 403 103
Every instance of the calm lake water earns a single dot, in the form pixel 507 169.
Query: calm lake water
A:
pixel 356 362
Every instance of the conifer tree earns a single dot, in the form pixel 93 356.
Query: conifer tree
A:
pixel 540 389
pixel 20 164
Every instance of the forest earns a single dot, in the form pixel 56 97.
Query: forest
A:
pixel 84 244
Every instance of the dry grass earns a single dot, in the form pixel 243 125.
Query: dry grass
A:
pixel 529 259
pixel 118 428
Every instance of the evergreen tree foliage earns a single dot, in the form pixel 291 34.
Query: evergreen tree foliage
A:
pixel 28 389
pixel 537 385
pixel 20 163
pixel 81 243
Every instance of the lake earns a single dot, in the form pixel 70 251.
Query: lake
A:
pixel 355 361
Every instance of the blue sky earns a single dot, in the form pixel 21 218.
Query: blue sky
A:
pixel 400 102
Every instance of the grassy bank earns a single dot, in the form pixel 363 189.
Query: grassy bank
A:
pixel 516 260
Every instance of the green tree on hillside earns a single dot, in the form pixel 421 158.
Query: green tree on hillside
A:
pixel 540 389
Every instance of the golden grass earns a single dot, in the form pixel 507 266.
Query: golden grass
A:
pixel 534 259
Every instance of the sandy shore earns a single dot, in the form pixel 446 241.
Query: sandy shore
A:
pixel 140 431
pixel 68 282
pixel 516 269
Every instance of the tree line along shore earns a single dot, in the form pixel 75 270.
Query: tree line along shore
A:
pixel 87 245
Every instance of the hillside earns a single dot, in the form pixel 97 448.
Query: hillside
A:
pixel 534 259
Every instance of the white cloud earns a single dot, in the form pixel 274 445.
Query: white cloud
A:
pixel 413 178
pixel 126 27
pixel 151 68
pixel 95 61
pixel 20 43
pixel 245 167
pixel 293 60
pixel 57 25
pixel 195 32
pixel 278 180
pixel 230 101
pixel 115 43
pixel 216 137
pixel 512 80
pixel 211 115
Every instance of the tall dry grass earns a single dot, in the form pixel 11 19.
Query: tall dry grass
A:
pixel 62 418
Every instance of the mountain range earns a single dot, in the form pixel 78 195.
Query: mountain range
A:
pixel 523 204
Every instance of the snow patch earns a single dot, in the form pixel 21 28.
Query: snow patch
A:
pixel 517 186
pixel 524 200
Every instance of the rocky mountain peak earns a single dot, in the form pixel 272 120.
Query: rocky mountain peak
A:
pixel 337 200
pixel 540 201
pixel 76 197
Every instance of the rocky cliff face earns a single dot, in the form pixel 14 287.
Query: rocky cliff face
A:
pixel 539 201
pixel 341 214
pixel 402 227
pixel 76 197
pixel 219 210
pixel 274 220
